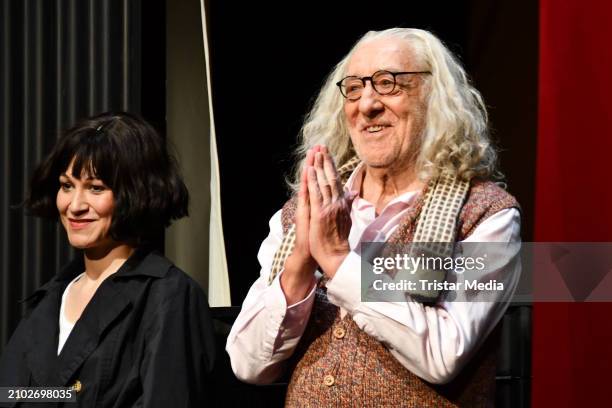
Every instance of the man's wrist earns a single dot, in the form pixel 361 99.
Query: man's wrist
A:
pixel 331 263
pixel 296 279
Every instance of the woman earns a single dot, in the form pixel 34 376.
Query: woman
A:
pixel 120 324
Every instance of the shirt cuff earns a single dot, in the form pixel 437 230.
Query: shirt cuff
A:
pixel 290 320
pixel 344 289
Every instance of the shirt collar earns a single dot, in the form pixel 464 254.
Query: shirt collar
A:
pixel 142 262
pixel 355 179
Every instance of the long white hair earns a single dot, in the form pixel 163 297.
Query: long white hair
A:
pixel 455 140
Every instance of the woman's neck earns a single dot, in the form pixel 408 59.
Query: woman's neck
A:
pixel 100 263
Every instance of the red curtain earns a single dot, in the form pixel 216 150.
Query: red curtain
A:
pixel 572 343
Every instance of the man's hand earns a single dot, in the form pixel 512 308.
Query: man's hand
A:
pixel 330 213
pixel 298 276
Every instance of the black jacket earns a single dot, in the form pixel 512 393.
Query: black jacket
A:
pixel 144 340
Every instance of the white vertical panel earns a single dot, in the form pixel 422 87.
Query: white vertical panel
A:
pixel 218 279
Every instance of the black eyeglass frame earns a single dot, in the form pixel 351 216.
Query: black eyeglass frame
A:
pixel 369 78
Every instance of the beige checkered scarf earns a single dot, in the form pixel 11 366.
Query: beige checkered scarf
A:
pixel 436 224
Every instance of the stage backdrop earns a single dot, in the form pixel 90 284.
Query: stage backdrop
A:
pixel 571 344
pixel 196 244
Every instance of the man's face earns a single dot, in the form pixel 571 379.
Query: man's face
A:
pixel 385 129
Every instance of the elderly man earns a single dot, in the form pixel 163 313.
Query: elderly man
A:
pixel 395 149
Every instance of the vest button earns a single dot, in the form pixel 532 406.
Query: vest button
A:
pixel 329 380
pixel 77 386
pixel 339 332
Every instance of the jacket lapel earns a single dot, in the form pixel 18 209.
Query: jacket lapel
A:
pixel 106 305
pixel 111 299
pixel 41 347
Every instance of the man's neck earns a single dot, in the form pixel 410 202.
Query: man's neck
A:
pixel 381 185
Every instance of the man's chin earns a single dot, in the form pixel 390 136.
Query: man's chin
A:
pixel 378 162
pixel 378 165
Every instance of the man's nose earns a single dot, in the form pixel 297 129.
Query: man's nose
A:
pixel 370 103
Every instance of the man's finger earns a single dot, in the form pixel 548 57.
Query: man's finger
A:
pixel 332 176
pixel 314 193
pixel 322 181
pixel 302 214
pixel 303 191
pixel 310 156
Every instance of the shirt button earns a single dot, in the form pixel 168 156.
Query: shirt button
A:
pixel 329 380
pixel 339 332
pixel 77 386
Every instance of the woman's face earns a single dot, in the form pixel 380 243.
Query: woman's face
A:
pixel 85 207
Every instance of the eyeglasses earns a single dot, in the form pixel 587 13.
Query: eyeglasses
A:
pixel 383 82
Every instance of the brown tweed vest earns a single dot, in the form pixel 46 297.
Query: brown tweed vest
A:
pixel 338 365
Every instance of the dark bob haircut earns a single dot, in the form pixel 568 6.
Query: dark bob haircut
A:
pixel 130 157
